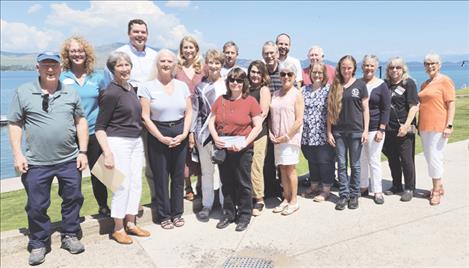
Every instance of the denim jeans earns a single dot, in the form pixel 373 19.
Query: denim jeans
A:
pixel 348 143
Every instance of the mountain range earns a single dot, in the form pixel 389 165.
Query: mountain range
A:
pixel 26 61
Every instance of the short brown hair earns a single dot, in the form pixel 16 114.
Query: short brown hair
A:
pixel 136 21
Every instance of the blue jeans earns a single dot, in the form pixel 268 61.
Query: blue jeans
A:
pixel 348 143
pixel 37 183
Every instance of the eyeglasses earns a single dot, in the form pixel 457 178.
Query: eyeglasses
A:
pixel 430 63
pixel 395 67
pixel 290 74
pixel 237 80
pixel 76 52
pixel 45 103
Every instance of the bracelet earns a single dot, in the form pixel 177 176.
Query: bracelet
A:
pixel 83 152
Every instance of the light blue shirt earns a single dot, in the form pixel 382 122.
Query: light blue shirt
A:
pixel 88 93
pixel 143 62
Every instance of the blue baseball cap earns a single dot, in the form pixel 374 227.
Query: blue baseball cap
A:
pixel 48 55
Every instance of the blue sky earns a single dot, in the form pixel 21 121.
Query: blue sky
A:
pixel 408 29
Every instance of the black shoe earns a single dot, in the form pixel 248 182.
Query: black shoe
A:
pixel 241 226
pixel 407 195
pixel 393 190
pixel 353 202
pixel 379 199
pixel 223 223
pixel 341 203
pixel 365 193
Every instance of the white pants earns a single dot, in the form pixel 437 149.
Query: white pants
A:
pixel 370 164
pixel 210 176
pixel 433 148
pixel 128 158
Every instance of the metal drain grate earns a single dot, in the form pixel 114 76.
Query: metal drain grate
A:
pixel 247 262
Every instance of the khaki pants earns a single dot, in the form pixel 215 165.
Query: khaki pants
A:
pixel 257 175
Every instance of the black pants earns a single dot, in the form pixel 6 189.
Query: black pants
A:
pixel 165 162
pixel 235 175
pixel 272 187
pixel 99 189
pixel 400 152
pixel 321 163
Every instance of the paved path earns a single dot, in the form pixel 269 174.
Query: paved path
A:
pixel 395 234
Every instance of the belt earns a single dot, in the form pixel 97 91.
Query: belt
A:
pixel 169 123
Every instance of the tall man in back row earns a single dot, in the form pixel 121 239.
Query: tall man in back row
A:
pixel 52 118
pixel 143 62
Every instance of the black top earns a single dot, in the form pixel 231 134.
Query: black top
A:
pixel 256 93
pixel 403 95
pixel 379 103
pixel 351 115
pixel 120 113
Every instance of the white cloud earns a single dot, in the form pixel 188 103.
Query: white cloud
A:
pixel 178 3
pixel 34 8
pixel 105 22
pixel 19 37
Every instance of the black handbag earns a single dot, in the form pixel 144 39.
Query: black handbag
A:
pixel 219 155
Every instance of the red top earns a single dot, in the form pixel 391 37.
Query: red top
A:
pixel 234 117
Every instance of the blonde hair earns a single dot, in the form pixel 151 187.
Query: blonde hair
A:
pixel 197 59
pixel 87 47
pixel 334 100
pixel 399 62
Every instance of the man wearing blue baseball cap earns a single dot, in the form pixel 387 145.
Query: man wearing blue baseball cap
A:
pixel 52 118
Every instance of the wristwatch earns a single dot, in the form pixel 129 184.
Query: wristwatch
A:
pixel 450 126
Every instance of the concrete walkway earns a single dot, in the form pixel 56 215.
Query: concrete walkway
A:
pixel 396 234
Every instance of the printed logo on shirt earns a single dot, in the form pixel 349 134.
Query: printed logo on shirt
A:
pixel 68 81
pixel 355 93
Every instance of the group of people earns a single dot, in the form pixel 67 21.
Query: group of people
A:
pixel 162 109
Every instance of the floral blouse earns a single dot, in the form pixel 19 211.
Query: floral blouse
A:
pixel 315 117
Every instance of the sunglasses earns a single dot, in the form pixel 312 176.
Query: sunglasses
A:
pixel 45 103
pixel 290 74
pixel 237 80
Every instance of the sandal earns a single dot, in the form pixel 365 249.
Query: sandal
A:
pixel 321 197
pixel 178 222
pixel 435 197
pixel 167 225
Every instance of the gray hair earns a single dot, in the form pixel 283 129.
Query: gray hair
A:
pixel 270 44
pixel 163 51
pixel 316 47
pixel 372 58
pixel 287 65
pixel 114 57
pixel 433 57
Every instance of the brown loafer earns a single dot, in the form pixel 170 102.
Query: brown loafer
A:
pixel 122 238
pixel 137 231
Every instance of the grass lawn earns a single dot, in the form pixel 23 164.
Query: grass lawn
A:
pixel 13 216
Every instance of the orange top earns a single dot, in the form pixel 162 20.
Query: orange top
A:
pixel 434 95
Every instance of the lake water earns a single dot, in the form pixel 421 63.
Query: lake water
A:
pixel 10 80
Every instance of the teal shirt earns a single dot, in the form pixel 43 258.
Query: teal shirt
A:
pixel 50 136
pixel 88 93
